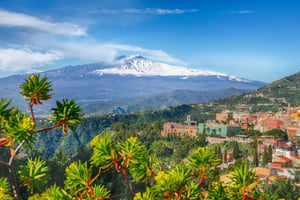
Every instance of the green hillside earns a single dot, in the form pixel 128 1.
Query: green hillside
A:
pixel 288 88
pixel 275 94
pixel 160 101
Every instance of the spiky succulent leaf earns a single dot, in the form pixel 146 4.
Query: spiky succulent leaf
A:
pixel 4 190
pixel 219 190
pixel 5 112
pixel 104 154
pixel 78 176
pixel 100 192
pixel 202 160
pixel 244 179
pixel 172 183
pixel 52 193
pixel 34 174
pixel 193 192
pixel 19 127
pixel 147 195
pixel 36 89
pixel 135 157
pixel 67 114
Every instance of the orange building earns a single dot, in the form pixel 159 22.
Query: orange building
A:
pixel 292 131
pixel 262 172
pixel 181 129
pixel 222 116
pixel 274 123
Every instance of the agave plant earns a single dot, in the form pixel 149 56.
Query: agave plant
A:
pixel 66 114
pixel 35 90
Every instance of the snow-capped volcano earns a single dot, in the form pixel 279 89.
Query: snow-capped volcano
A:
pixel 110 84
pixel 140 66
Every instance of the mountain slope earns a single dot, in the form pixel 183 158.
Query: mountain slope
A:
pixel 160 101
pixel 288 88
pixel 128 78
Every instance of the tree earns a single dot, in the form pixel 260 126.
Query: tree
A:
pixel 236 151
pixel 255 161
pixel 17 128
pixel 225 156
pixel 270 153
pixel 127 157
pixel 265 158
pixel 201 162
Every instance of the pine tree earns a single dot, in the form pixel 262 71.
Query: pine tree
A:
pixel 270 152
pixel 265 159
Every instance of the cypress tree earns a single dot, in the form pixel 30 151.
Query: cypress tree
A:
pixel 270 152
pixel 219 152
pixel 265 158
pixel 255 161
pixel 236 150
pixel 225 156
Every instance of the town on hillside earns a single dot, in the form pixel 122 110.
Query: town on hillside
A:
pixel 276 138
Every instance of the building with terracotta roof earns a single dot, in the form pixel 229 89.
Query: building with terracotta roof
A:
pixel 282 159
pixel 181 129
pixel 188 128
pixel 263 172
pixel 277 165
pixel 274 123
pixel 286 151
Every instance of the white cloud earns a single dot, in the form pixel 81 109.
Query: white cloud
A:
pixel 242 12
pixel 41 49
pixel 91 51
pixel 158 55
pixel 21 20
pixel 25 60
pixel 156 11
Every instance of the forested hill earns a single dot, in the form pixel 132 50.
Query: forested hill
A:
pixel 280 92
pixel 149 121
pixel 288 88
pixel 160 101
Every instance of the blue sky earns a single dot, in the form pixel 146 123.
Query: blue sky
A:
pixel 254 39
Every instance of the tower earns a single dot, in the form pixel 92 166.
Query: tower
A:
pixel 188 118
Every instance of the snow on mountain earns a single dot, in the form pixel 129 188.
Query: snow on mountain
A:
pixel 140 66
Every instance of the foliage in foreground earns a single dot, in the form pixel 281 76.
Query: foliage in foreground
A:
pixel 128 157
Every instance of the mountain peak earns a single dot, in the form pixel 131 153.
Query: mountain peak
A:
pixel 138 65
